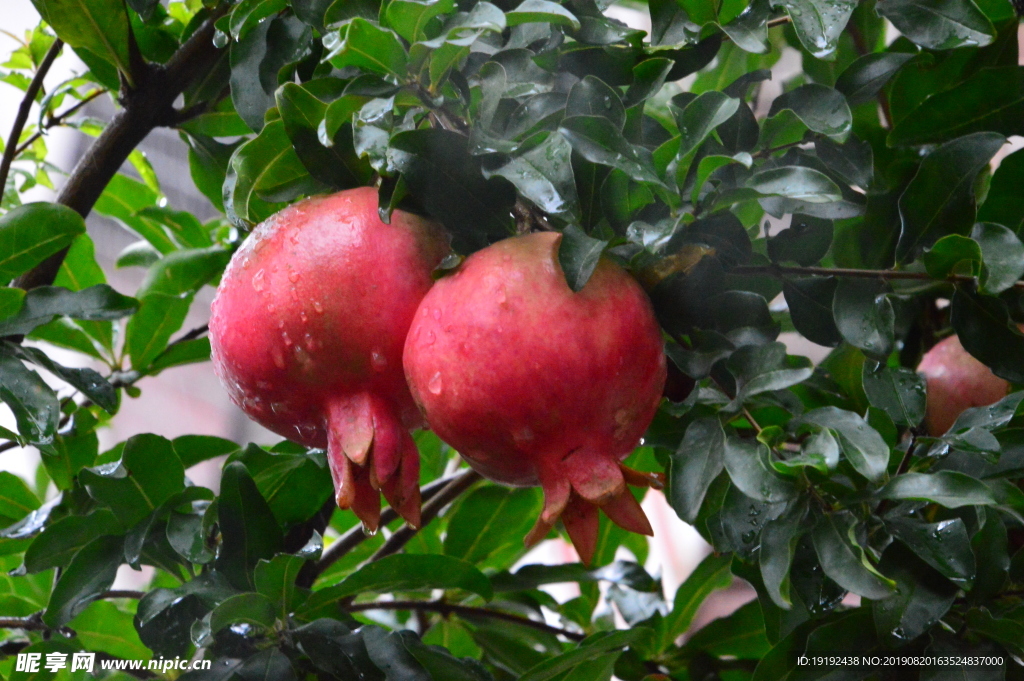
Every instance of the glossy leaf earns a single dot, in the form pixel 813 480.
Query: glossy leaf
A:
pixel 541 10
pixel 1003 255
pixel 596 139
pixel 35 406
pixel 944 545
pixel 43 303
pixel 818 23
pixel 939 24
pixel 822 109
pixel 90 573
pixel 32 232
pixel 898 391
pixel 864 316
pixel 249 529
pixel 578 255
pixel 864 78
pixel 862 445
pixel 948 488
pixel 370 47
pixel 749 467
pixel 983 326
pixel 694 466
pixel 99 26
pixel 844 560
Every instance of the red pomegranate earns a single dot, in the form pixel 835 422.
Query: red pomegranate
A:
pixel 307 332
pixel 534 384
pixel 956 381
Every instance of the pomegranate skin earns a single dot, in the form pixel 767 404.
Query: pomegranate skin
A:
pixel 534 384
pixel 956 381
pixel 306 334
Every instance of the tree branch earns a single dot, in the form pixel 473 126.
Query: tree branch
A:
pixel 10 151
pixel 54 121
pixel 780 270
pixel 446 609
pixel 148 105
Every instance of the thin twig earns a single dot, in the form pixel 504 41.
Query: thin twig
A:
pixel 467 611
pixel 59 119
pixel 779 270
pixel 431 509
pixel 136 595
pixel 354 537
pixel 25 108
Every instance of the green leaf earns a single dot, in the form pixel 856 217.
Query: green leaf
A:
pixel 490 522
pixel 578 255
pixel 597 139
pixel 43 303
pixel 16 499
pixel 701 116
pixel 61 540
pixel 1006 631
pixel 864 316
pixel 375 49
pixel 844 560
pixel 953 254
pixel 150 328
pixel 750 469
pixel 898 391
pixel 713 573
pixel 35 405
pixel 740 635
pixel 944 545
pixel 694 466
pixel 183 272
pixel 275 579
pixel 542 11
pixel 32 232
pixel 249 13
pixel 921 597
pixel 208 162
pixel 593 97
pixel 102 627
pixel 248 527
pixel 749 30
pixel 192 449
pixel 948 488
pixel 406 572
pixel 810 307
pixel 992 100
pixel 589 648
pixel 248 608
pixel 544 176
pixel 439 171
pixel 183 352
pixel 863 446
pixel 88 381
pixel 1003 255
pixel 939 24
pixel 779 538
pixel 148 474
pixel 11 300
pixel 818 23
pixel 100 26
pixel 822 109
pixel 864 78
pixel 982 324
pixel 795 182
pixel 294 485
pixel 90 573
pixel 1002 204
pixel 806 241
pixel 410 18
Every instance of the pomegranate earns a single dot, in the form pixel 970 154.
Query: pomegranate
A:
pixel 956 381
pixel 534 384
pixel 307 330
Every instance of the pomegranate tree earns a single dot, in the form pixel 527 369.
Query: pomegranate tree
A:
pixel 307 332
pixel 956 381
pixel 534 384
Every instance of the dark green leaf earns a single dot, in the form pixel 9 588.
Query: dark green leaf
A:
pixel 701 116
pixel 819 23
pixel 249 13
pixel 32 232
pixel 16 499
pixel 578 255
pixel 740 635
pixel 208 164
pixel 192 449
pixel 898 391
pixel 852 161
pixel 944 545
pixel 711 574
pixel 864 79
pixel 439 171
pixel 805 242
pixel 596 139
pixel 939 24
pixel 948 488
pixel 694 466
pixel 822 109
pixel 592 97
pixel 810 307
pixel 749 29
pixel 1002 205
pixel 90 573
pixel 862 445
pixel 1003 254
pixel 248 527
pixel 844 560
pixel 43 303
pixel 35 405
pixel 248 93
pixel 953 254
pixel 590 647
pixel 102 627
pixel 983 326
pixel 799 183
pixel 88 381
pixel 750 469
pixel 542 11
pixel 1003 630
pixel 250 608
pixel 267 664
pixel 150 328
pixel 544 176
pixel 864 316
pixel 779 538
pixel 294 485
pixel 921 597
pixel 370 47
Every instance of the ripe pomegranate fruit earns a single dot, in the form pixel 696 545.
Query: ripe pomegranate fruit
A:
pixel 534 384
pixel 956 381
pixel 307 331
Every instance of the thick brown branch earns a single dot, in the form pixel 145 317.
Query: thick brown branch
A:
pixel 466 611
pixel 149 105
pixel 10 151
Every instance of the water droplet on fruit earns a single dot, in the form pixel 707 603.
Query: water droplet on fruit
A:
pixel 436 313
pixel 502 298
pixel 378 360
pixel 304 317
pixel 293 276
pixel 257 281
pixel 318 307
pixel 264 385
pixel 278 356
pixel 310 342
pixel 507 257
pixel 429 338
pixel 434 384
pixel 523 436
pixel 287 340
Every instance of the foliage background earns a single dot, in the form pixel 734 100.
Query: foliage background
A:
pixel 811 482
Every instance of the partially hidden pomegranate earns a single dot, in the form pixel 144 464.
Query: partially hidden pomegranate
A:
pixel 534 384
pixel 956 381
pixel 307 330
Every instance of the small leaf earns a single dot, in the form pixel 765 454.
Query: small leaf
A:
pixel 864 78
pixel 32 232
pixel 150 328
pixel 819 23
pixel 810 307
pixel 898 391
pixel 544 176
pixel 953 254
pixel 578 255
pixel 99 26
pixel 43 303
pixel 35 405
pixel 864 316
pixel 249 13
pixel 694 466
pixel 596 139
pixel 1003 255
pixel 590 647
pixel 16 499
pixel 944 545
pixel 795 182
pixel 822 109
pixel 370 47
pixel 248 527
pixel 711 574
pixel 749 467
pixel 248 608
pixel 948 488
pixel 779 538
pixel 542 11
pixel 90 573
pixel 805 241
pixel 862 445
pixel 701 116
pixel 490 521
